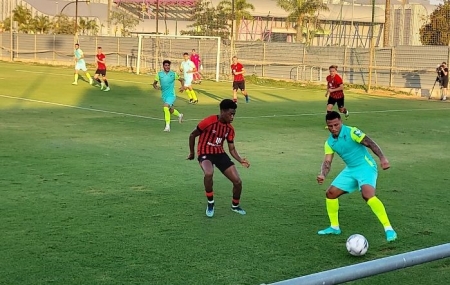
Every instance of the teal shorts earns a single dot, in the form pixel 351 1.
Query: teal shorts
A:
pixel 351 179
pixel 170 100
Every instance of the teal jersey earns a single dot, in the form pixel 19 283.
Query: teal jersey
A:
pixel 348 146
pixel 167 82
pixel 78 53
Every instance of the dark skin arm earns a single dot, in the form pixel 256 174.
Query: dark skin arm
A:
pixel 368 142
pixel 155 84
pixel 236 155
pixel 195 133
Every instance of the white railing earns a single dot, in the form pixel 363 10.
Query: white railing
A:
pixel 370 268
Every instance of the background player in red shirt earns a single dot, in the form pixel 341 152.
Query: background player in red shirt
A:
pixel 335 88
pixel 101 70
pixel 195 58
pixel 238 79
pixel 213 131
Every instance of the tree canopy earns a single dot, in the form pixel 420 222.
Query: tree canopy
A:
pixel 437 30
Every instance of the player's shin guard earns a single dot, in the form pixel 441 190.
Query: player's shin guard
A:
pixel 188 92
pixel 378 208
pixel 194 96
pixel 176 113
pixel 166 115
pixel 333 212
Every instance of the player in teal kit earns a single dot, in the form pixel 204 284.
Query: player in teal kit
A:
pixel 360 172
pixel 80 64
pixel 167 78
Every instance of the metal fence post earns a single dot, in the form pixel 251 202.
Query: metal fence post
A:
pixel 54 48
pixel 263 71
pixel 345 62
pixel 17 45
pixel 118 51
pixel 391 71
pixel 35 47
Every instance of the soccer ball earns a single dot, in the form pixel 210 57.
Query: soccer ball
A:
pixel 357 245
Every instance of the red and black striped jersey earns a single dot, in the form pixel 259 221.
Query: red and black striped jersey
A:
pixel 335 82
pixel 212 135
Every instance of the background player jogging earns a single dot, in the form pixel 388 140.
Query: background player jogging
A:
pixel 167 78
pixel 335 90
pixel 80 64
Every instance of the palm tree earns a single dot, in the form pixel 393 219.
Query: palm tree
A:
pixel 42 24
pixel 92 26
pixel 5 24
pixel 241 8
pixel 82 25
pixel 301 11
pixel 23 17
pixel 62 24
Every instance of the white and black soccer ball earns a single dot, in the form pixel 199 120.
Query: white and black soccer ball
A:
pixel 357 245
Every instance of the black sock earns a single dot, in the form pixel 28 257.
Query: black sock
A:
pixel 106 83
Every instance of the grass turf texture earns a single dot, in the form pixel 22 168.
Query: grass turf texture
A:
pixel 94 197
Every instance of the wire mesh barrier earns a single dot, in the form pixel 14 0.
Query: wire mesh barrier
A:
pixel 409 67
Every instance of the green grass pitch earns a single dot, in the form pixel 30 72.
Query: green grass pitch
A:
pixel 94 192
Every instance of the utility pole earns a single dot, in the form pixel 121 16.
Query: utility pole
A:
pixel 76 21
pixel 371 51
pixel 11 21
pixel 232 31
pixel 108 17
pixel 387 24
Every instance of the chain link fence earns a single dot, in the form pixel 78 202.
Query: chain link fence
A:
pixel 409 67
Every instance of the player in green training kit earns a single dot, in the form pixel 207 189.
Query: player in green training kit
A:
pixel 167 79
pixel 360 172
pixel 80 64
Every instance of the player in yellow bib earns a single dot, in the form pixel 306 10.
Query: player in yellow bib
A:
pixel 360 172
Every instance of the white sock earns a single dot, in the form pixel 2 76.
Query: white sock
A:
pixel 388 228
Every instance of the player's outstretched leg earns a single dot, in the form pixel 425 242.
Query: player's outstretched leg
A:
pixel 378 208
pixel 333 212
pixel 178 114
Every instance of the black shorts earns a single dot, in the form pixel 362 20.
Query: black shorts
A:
pixel 222 161
pixel 444 82
pixel 332 101
pixel 239 85
pixel 102 72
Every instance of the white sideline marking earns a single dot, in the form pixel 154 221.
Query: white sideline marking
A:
pixel 81 108
pixel 259 87
pixel 71 75
pixel 255 117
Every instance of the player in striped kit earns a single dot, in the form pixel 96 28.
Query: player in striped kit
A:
pixel 212 132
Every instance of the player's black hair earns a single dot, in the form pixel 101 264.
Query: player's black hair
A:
pixel 185 53
pixel 332 115
pixel 77 44
pixel 167 61
pixel 99 47
pixel 333 66
pixel 227 104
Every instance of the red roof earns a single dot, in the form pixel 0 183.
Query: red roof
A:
pixel 161 2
